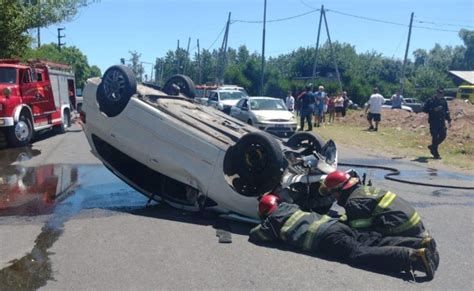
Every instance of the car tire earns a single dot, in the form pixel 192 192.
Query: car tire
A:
pixel 117 87
pixel 258 161
pixel 310 141
pixel 21 133
pixel 185 84
pixel 66 123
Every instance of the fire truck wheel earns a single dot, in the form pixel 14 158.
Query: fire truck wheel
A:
pixel 258 161
pixel 21 133
pixel 66 123
pixel 117 87
pixel 310 141
pixel 180 84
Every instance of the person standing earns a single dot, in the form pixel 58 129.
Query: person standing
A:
pixel 438 114
pixel 306 99
pixel 374 109
pixel 290 102
pixel 339 106
pixel 346 103
pixel 397 100
pixel 319 97
pixel 323 234
pixel 331 109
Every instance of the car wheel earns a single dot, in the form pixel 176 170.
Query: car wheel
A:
pixel 117 87
pixel 21 133
pixel 184 83
pixel 66 123
pixel 258 161
pixel 310 141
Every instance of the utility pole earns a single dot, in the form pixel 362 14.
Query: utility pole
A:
pixel 220 67
pixel 177 58
pixel 317 47
pixel 187 54
pixel 60 44
pixel 402 80
pixel 332 51
pixel 157 67
pixel 39 36
pixel 263 45
pixel 199 63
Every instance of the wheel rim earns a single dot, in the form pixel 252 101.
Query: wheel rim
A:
pixel 22 131
pixel 255 158
pixel 114 85
pixel 65 120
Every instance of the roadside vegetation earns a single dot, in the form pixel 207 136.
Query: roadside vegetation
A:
pixel 406 135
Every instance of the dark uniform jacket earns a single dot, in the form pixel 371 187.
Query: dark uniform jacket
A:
pixel 289 224
pixel 438 111
pixel 383 211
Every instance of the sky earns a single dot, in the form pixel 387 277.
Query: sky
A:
pixel 106 31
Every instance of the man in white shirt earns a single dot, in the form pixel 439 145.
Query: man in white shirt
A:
pixel 374 109
pixel 290 102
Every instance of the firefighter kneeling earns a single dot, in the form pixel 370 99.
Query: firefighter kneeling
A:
pixel 323 234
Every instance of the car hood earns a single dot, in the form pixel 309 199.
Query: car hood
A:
pixel 229 102
pixel 268 115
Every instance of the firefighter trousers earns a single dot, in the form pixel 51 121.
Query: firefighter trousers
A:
pixel 368 249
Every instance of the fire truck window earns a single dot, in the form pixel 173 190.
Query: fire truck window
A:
pixel 25 77
pixel 7 75
pixel 39 77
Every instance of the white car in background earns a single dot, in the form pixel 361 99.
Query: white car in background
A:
pixel 224 99
pixel 267 114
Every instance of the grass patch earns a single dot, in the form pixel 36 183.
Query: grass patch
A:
pixel 392 141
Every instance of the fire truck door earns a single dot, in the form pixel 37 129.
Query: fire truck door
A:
pixel 34 94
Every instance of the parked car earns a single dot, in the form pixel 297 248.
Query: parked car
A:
pixel 195 157
pixel 265 113
pixel 388 105
pixel 224 99
pixel 414 104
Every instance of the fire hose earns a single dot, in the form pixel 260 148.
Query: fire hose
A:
pixel 396 172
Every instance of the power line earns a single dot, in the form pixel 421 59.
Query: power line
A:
pixel 387 22
pixel 276 20
pixel 443 24
pixel 219 35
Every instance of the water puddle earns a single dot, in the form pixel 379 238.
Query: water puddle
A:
pixel 59 191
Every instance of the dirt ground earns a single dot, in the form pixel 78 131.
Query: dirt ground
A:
pixel 461 132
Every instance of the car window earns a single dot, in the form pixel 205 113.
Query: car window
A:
pixel 240 103
pixel 235 95
pixel 267 104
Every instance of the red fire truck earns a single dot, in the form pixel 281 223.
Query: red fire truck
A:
pixel 34 96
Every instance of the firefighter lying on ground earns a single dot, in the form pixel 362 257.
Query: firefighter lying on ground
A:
pixel 323 234
pixel 370 208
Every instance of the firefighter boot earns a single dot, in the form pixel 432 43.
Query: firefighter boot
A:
pixel 422 260
pixel 429 243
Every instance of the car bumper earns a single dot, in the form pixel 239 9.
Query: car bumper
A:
pixel 277 128
pixel 6 121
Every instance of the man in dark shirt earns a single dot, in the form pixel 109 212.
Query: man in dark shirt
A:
pixel 438 114
pixel 306 100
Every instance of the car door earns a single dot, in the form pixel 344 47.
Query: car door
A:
pixel 212 101
pixel 235 110
pixel 244 111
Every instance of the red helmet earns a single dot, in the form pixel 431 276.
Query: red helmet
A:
pixel 339 180
pixel 267 205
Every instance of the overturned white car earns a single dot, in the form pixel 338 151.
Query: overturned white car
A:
pixel 172 149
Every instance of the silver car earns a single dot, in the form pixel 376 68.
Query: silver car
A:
pixel 266 113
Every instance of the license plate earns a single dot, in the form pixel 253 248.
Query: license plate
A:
pixel 280 126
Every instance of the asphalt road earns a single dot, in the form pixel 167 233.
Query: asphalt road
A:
pixel 67 223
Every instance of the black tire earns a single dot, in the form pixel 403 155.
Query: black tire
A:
pixel 66 123
pixel 258 161
pixel 21 133
pixel 185 84
pixel 117 87
pixel 310 141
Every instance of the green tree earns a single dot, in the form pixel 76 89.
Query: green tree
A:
pixel 13 39
pixel 467 37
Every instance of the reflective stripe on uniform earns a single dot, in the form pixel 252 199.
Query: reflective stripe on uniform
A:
pixel 290 222
pixel 384 202
pixel 414 220
pixel 361 223
pixel 312 229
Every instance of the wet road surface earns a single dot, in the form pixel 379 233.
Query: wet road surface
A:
pixel 94 232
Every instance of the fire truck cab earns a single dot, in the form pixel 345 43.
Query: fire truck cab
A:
pixel 34 96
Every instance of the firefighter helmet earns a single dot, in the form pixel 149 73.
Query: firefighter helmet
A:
pixel 267 205
pixel 339 180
